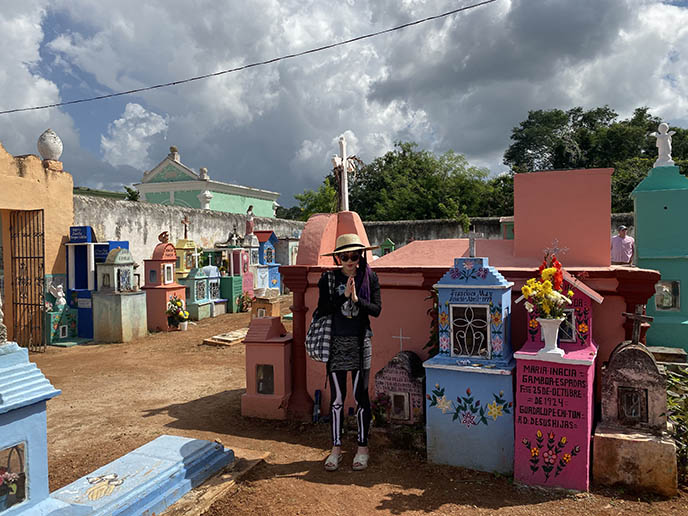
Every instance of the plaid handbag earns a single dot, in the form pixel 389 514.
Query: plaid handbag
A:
pixel 320 331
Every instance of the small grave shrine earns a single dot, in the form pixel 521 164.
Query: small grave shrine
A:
pixel 160 284
pixel 83 252
pixel 265 307
pixel 399 385
pixel 631 443
pixel 238 280
pixel 24 391
pixel 554 397
pixel 268 276
pixel 268 369
pixel 119 307
pixel 469 383
pixel 387 246
pixel 187 257
pixel 197 294
pixel 218 304
pixel 61 320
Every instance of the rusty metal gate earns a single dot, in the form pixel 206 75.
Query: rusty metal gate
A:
pixel 27 242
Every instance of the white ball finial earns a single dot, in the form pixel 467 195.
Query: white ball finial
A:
pixel 50 145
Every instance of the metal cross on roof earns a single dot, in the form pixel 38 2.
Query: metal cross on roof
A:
pixel 472 236
pixel 638 318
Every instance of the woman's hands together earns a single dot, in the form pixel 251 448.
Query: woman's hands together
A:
pixel 350 290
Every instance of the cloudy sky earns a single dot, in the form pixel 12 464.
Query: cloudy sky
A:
pixel 460 83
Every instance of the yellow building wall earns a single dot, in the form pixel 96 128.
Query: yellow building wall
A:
pixel 26 183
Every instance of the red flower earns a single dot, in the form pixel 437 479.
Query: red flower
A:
pixel 468 391
pixel 427 396
pixel 511 403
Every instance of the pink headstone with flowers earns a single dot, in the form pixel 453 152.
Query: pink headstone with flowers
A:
pixel 554 396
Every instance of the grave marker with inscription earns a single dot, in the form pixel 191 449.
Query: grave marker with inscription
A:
pixel 469 383
pixel 554 399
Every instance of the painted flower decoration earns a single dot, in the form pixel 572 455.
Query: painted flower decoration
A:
pixel 444 343
pixel 494 410
pixel 497 344
pixel 533 324
pixel 468 419
pixel 583 328
pixel 482 272
pixel 467 265
pixel 566 458
pixel 562 441
pixel 454 273
pixel 444 404
pixel 496 318
pixel 549 457
pixel 534 451
pixel 539 434
pixel 444 318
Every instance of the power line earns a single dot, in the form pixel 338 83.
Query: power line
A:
pixel 252 65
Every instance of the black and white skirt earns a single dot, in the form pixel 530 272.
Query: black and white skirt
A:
pixel 344 352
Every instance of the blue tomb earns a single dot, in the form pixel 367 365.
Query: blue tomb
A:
pixel 267 272
pixel 83 252
pixel 24 434
pixel 469 383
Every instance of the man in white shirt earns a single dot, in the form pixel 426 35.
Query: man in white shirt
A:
pixel 623 247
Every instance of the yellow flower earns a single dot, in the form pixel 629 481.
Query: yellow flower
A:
pixel 444 404
pixel 548 274
pixel 570 293
pixel 562 441
pixel 533 324
pixel 566 458
pixel 539 434
pixel 534 451
pixel 583 328
pixel 494 410
pixel 526 291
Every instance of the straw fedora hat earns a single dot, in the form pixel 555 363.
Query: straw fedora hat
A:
pixel 349 242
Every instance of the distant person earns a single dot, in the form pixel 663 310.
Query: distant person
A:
pixel 623 247
pixel 355 299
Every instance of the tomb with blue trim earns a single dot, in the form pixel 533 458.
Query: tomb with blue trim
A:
pixel 469 382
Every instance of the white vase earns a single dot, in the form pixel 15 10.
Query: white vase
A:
pixel 183 326
pixel 50 145
pixel 550 332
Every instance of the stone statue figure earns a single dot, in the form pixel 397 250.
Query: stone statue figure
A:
pixel 58 293
pixel 249 220
pixel 164 237
pixel 664 145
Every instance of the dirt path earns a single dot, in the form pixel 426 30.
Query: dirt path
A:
pixel 117 397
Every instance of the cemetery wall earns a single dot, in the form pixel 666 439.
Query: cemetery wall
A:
pixel 141 223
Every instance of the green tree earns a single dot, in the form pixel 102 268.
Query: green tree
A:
pixel 411 184
pixel 556 139
pixel 293 213
pixel 499 201
pixel 132 194
pixel 322 200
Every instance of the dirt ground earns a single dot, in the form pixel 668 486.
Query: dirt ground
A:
pixel 117 397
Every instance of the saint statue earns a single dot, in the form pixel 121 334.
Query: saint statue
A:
pixel 249 220
pixel 664 145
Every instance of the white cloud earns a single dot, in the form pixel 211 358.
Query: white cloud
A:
pixel 130 137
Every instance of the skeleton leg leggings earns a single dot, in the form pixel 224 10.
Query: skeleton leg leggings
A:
pixel 337 397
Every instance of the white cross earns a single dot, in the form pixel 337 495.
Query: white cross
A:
pixel 344 162
pixel 471 242
pixel 401 339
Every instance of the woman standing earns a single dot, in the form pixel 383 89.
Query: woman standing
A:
pixel 356 297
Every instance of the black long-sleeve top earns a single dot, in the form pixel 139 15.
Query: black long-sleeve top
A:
pixel 350 319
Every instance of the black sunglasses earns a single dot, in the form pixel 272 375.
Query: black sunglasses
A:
pixel 349 257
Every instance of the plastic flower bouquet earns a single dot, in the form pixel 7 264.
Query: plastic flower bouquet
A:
pixel 8 482
pixel 176 312
pixel 544 294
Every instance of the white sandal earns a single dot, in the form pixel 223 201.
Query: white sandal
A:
pixel 360 462
pixel 333 461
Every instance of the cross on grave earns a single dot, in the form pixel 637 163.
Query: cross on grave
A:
pixel 401 339
pixel 472 236
pixel 344 163
pixel 185 222
pixel 196 254
pixel 555 249
pixel 638 318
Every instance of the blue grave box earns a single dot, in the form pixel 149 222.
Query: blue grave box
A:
pixel 469 383
pixel 197 300
pixel 24 436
